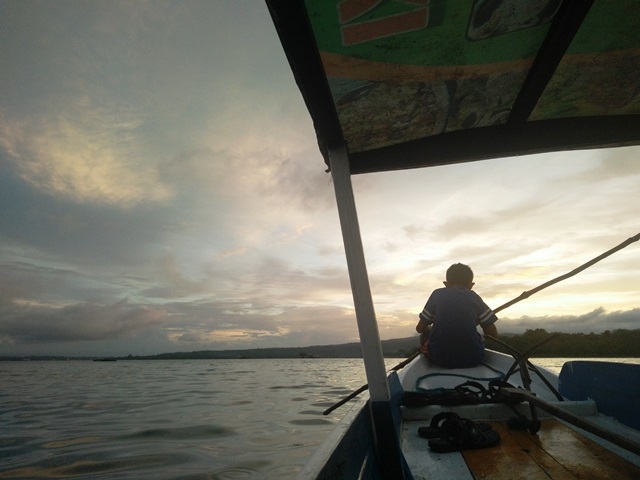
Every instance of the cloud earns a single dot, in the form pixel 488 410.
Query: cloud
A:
pixel 29 324
pixel 75 124
pixel 596 321
pixel 157 153
pixel 83 153
pixel 128 88
pixel 616 164
pixel 37 225
pixel 235 324
pixel 415 232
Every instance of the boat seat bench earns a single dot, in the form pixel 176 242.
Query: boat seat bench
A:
pixel 557 451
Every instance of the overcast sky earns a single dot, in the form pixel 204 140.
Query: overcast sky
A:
pixel 161 190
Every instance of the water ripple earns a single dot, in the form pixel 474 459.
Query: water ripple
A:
pixel 182 433
pixel 314 421
pixel 169 420
pixel 61 467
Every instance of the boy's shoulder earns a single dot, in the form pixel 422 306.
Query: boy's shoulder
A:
pixel 454 292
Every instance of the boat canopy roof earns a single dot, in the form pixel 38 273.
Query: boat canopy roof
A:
pixel 415 83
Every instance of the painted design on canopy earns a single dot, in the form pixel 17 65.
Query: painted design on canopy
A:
pixel 404 70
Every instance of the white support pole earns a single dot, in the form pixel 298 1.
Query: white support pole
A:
pixel 367 324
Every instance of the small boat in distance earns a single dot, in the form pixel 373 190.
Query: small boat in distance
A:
pixel 109 359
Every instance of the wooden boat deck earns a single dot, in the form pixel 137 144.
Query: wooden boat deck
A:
pixel 555 452
pixel 558 451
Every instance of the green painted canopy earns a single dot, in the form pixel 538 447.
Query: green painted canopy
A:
pixel 414 83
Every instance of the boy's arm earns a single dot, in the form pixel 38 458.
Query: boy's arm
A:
pixel 490 330
pixel 421 326
pixel 425 320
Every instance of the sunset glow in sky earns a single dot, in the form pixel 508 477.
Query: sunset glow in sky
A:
pixel 161 190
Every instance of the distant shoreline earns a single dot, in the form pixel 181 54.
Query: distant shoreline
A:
pixel 609 344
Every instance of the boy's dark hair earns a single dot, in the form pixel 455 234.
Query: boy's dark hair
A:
pixel 459 274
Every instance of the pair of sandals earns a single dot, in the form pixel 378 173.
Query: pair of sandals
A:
pixel 448 432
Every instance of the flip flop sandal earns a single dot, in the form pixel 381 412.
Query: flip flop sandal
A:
pixel 480 439
pixel 449 423
pixel 444 423
pixel 472 436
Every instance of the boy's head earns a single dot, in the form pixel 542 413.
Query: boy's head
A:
pixel 460 275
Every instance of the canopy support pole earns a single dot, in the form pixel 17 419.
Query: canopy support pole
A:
pixel 363 302
pixel 386 435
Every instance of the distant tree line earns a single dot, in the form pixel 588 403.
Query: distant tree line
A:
pixel 616 343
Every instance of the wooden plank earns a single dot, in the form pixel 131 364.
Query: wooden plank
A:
pixel 581 456
pixel 506 461
pixel 531 444
pixel 557 452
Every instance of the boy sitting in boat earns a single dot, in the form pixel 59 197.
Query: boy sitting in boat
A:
pixel 449 319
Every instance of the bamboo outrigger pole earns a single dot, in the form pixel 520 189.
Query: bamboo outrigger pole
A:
pixel 523 296
pixel 527 294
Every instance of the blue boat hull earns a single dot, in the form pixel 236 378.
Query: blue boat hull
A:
pixel 615 387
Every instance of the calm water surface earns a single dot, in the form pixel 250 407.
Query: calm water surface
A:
pixel 182 419
pixel 200 419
